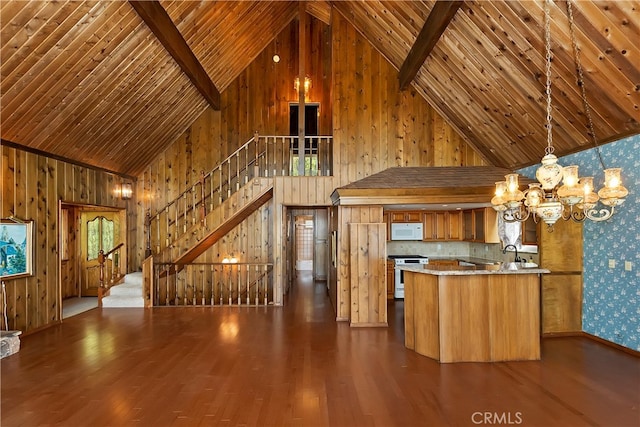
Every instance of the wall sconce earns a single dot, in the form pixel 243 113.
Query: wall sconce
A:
pixel 126 191
pixel 231 259
pixel 307 85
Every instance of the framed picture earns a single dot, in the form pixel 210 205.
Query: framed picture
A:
pixel 16 249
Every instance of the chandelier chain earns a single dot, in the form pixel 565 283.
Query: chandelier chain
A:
pixel 580 73
pixel 547 32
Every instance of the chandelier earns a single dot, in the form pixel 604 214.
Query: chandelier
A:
pixel 546 199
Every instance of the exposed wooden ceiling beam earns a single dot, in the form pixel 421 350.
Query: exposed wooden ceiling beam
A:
pixel 159 22
pixel 437 21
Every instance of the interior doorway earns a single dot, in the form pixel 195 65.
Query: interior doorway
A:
pixel 308 242
pixel 84 231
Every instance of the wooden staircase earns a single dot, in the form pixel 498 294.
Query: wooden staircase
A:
pixel 204 234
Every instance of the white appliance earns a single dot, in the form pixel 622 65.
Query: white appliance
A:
pixel 399 274
pixel 406 231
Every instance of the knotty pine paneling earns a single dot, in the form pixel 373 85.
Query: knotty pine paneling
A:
pixel 368 284
pixel 346 216
pixel 374 127
pixel 32 186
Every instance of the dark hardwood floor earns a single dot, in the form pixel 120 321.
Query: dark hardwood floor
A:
pixel 294 365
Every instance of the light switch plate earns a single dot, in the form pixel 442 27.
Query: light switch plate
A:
pixel 612 263
pixel 627 265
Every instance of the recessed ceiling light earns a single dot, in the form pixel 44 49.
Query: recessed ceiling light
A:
pixel 276 58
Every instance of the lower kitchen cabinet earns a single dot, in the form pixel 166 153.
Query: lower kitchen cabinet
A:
pixel 443 262
pixel 391 277
pixel 561 303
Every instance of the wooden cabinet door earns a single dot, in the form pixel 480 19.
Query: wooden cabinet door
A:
pixel 490 226
pixel 440 232
pixel 413 216
pixel 529 232
pixel 454 225
pixel 478 224
pixel 429 226
pixel 397 216
pixel 467 226
pixel 561 303
pixel 391 279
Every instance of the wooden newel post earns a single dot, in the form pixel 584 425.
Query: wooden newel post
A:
pixel 147 225
pixel 101 259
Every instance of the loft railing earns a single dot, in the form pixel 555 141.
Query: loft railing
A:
pixel 261 156
pixel 212 284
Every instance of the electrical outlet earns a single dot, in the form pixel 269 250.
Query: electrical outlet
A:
pixel 627 265
pixel 439 247
pixel 612 263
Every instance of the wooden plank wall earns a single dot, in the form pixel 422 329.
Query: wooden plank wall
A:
pixel 347 216
pixel 368 274
pixel 32 186
pixel 374 127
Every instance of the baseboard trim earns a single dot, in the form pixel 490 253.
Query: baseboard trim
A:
pixel 593 338
pixel 612 344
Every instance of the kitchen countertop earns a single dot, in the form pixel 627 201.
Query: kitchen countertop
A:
pixel 471 260
pixel 458 270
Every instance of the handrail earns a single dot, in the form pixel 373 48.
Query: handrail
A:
pixel 115 270
pixel 264 156
pixel 113 250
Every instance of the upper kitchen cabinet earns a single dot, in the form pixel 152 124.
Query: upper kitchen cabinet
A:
pixel 442 225
pixel 480 225
pixel 405 216
pixel 529 232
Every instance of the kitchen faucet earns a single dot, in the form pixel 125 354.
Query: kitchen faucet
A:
pixel 517 258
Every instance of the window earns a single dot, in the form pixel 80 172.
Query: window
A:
pixel 99 236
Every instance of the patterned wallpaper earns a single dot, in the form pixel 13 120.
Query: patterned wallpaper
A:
pixel 611 301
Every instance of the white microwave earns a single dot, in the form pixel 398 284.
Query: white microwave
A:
pixel 406 231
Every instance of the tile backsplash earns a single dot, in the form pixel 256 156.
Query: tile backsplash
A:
pixel 490 251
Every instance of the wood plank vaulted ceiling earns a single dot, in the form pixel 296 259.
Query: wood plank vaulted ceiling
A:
pixel 89 81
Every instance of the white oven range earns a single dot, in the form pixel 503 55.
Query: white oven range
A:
pixel 399 274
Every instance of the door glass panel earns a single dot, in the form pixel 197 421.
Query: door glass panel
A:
pixel 99 236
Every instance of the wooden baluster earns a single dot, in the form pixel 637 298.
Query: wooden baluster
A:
pixel 147 253
pixel 239 291
pixel 101 259
pixel 230 284
pixel 257 283
pixel 265 278
pixel 222 276
pixel 220 188
pixel 168 227
pixel 203 208
pixel 184 213
pixel 210 176
pixel 168 284
pixel 285 164
pixel 248 282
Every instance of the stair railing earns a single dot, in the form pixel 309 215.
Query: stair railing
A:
pixel 261 156
pixel 113 269
pixel 213 284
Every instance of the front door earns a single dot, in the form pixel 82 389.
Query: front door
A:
pixel 99 231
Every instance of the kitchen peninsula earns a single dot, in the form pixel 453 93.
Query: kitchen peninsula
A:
pixel 485 313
